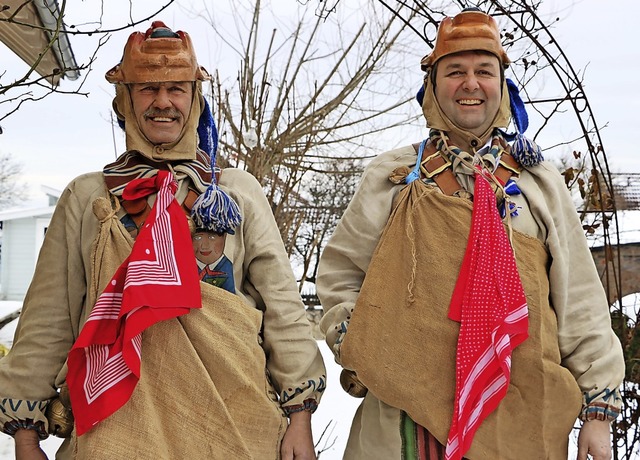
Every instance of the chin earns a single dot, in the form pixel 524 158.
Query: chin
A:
pixel 157 137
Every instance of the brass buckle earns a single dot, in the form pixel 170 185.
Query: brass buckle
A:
pixel 438 170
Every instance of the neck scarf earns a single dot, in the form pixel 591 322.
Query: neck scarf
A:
pixel 158 281
pixel 489 303
pixel 132 165
pixel 460 159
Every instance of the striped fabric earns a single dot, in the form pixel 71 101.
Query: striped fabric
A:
pixel 158 281
pixel 131 165
pixel 489 302
pixel 417 442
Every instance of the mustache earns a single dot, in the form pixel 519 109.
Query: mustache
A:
pixel 165 113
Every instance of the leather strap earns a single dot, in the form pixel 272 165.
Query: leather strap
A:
pixel 507 167
pixel 187 204
pixel 137 209
pixel 435 166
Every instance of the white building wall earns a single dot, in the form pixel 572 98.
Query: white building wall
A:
pixel 19 252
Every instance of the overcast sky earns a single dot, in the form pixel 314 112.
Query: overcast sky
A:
pixel 65 135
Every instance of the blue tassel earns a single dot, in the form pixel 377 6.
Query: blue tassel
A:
pixel 216 211
pixel 525 151
pixel 518 111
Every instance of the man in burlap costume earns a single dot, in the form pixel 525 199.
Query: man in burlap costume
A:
pixel 116 330
pixel 459 292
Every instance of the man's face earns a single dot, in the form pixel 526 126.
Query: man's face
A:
pixel 208 246
pixel 468 89
pixel 162 109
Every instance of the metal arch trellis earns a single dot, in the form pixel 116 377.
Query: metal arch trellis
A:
pixel 540 50
pixel 524 16
pixel 534 38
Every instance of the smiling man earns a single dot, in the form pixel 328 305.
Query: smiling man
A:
pixel 493 334
pixel 162 109
pixel 468 89
pixel 121 347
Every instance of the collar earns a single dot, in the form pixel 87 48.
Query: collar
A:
pixel 202 265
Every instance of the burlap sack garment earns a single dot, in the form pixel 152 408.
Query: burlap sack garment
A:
pixel 402 345
pixel 203 391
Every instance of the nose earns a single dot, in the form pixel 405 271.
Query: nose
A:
pixel 470 82
pixel 162 101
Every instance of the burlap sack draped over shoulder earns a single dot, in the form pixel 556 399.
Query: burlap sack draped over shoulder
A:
pixel 402 345
pixel 203 391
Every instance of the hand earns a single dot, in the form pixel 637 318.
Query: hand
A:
pixel 595 439
pixel 28 445
pixel 297 443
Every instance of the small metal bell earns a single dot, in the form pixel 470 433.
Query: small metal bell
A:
pixel 351 384
pixel 59 415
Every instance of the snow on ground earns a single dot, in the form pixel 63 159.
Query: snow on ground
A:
pixel 334 413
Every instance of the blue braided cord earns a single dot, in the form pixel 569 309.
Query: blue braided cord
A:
pixel 214 210
pixel 525 151
pixel 415 173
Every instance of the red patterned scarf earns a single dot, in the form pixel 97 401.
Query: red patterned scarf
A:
pixel 158 281
pixel 489 302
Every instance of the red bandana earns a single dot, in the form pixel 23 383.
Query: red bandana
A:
pixel 158 281
pixel 490 304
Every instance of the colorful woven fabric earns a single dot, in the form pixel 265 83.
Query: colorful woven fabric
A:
pixel 489 302
pixel 131 165
pixel 158 281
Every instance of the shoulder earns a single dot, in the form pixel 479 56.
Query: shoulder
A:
pixel 90 180
pixel 544 169
pixel 245 189
pixel 402 156
pixel 545 175
pixel 86 186
pixel 238 179
pixel 380 168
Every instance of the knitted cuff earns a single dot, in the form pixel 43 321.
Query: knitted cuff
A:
pixel 12 426
pixel 309 405
pixel 599 411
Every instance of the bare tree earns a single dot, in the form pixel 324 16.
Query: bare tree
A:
pixel 329 194
pixel 41 31
pixel 11 190
pixel 306 96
